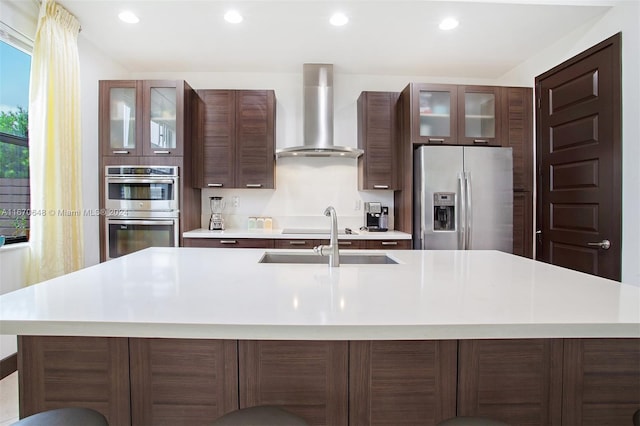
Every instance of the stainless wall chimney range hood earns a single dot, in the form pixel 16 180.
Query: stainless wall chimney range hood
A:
pixel 317 92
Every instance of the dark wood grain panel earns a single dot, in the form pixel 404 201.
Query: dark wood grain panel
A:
pixel 517 133
pixel 523 224
pixel 516 381
pixel 402 382
pixel 601 381
pixel 255 138
pixel 218 142
pixel 229 242
pixel 308 378
pixel 182 381
pixel 389 244
pixel 57 372
pixel 296 243
pixel 378 137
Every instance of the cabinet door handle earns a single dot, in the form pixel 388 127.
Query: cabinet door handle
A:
pixel 344 243
pixel 480 141
pixel 120 152
pixel 436 140
pixel 254 185
pixel 228 242
pixel 162 152
pixel 389 243
pixel 380 186
pixel 297 243
pixel 214 185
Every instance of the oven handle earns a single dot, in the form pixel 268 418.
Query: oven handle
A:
pixel 129 180
pixel 141 222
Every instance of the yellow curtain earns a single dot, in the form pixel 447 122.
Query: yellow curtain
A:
pixel 56 239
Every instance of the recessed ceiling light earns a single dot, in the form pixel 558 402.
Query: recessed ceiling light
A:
pixel 128 17
pixel 233 17
pixel 448 24
pixel 338 19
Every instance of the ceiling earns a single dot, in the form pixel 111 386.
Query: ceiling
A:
pixel 382 37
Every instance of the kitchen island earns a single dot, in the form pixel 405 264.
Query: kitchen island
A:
pixel 187 334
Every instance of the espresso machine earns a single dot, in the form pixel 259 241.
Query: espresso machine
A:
pixel 216 222
pixel 376 217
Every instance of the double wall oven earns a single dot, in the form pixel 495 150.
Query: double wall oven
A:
pixel 142 208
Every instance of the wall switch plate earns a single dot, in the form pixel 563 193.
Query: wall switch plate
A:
pixel 236 201
pixel 358 205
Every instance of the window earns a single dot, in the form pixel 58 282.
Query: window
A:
pixel 15 65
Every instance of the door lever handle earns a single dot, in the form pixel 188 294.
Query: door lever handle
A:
pixel 604 244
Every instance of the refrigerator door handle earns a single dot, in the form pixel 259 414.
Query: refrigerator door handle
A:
pixel 461 216
pixel 469 210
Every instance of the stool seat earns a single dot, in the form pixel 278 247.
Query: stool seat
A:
pixel 264 415
pixel 74 416
pixel 471 421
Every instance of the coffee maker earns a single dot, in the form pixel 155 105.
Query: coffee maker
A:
pixel 216 223
pixel 376 217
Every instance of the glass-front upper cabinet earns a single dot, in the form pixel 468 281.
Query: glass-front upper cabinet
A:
pixel 163 113
pixel 120 110
pixel 434 114
pixel 479 112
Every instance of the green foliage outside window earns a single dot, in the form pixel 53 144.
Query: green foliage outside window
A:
pixel 14 158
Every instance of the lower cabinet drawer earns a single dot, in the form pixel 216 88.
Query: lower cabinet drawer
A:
pixel 389 244
pixel 229 242
pixel 295 244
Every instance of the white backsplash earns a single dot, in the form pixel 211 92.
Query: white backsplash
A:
pixel 304 188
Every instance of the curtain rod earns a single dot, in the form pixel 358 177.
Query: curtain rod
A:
pixel 38 3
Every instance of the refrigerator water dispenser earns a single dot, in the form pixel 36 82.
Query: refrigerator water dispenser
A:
pixel 444 211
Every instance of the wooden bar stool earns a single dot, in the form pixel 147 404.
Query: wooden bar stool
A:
pixel 264 415
pixel 75 416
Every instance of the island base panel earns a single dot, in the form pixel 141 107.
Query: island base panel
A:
pixel 91 372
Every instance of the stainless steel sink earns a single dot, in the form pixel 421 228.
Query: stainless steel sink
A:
pixel 312 258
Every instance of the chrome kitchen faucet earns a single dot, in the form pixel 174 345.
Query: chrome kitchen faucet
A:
pixel 332 249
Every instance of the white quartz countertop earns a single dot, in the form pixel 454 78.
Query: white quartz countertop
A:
pixel 297 233
pixel 226 293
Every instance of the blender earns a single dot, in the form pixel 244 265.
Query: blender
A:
pixel 216 223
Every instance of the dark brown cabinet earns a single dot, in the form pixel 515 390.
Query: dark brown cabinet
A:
pixel 433 113
pixel 379 138
pixel 144 117
pixel 307 378
pixel 601 381
pixel 523 224
pixel 91 372
pixel 389 244
pixel 479 115
pixel 182 381
pixel 193 381
pixel 229 242
pixel 517 134
pixel 150 122
pixel 237 146
pixel 454 115
pixel 396 382
pixel 516 381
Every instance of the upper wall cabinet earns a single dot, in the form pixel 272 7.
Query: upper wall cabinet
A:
pixel 143 118
pixel 433 113
pixel 378 137
pixel 454 115
pixel 479 115
pixel 238 143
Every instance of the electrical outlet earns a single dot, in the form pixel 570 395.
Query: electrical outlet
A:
pixel 236 201
pixel 358 205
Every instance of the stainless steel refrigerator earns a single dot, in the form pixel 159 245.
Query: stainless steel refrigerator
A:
pixel 463 198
